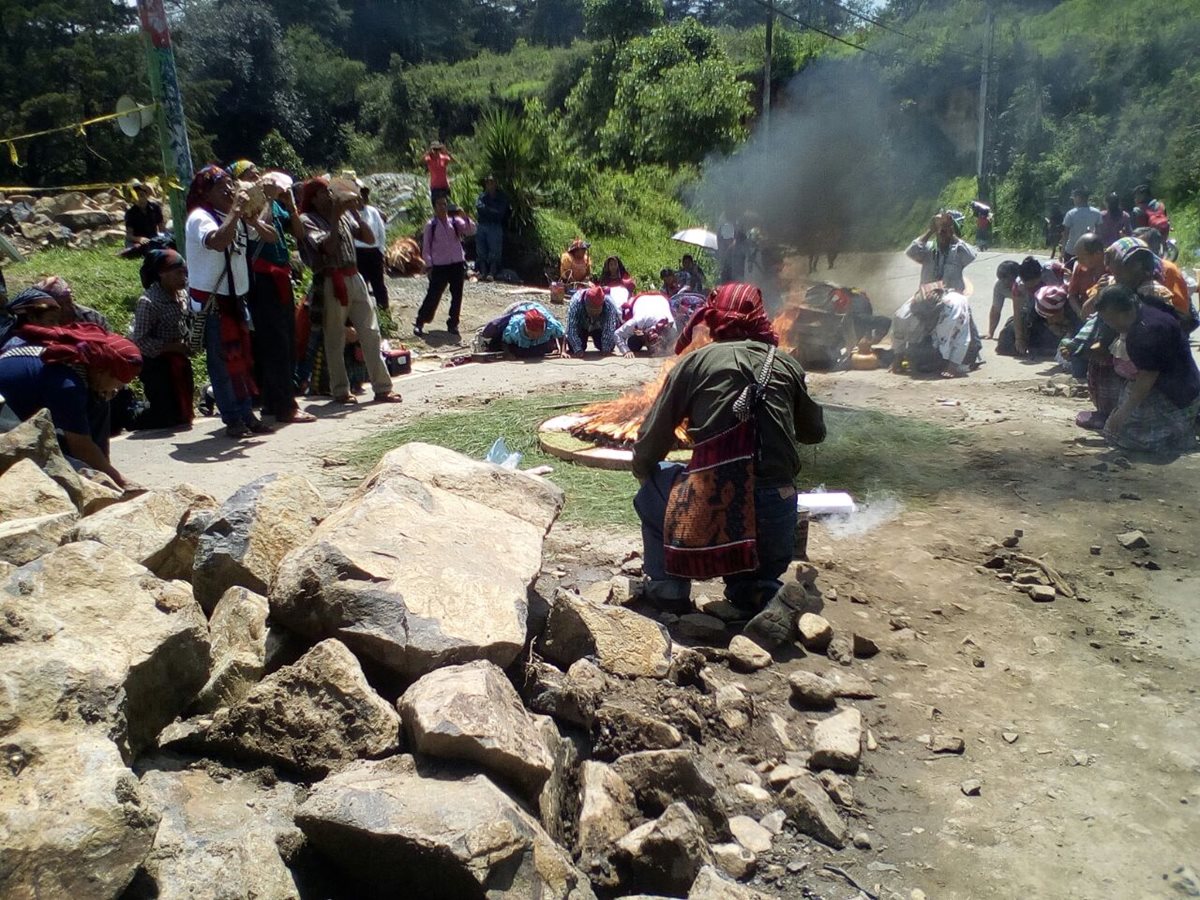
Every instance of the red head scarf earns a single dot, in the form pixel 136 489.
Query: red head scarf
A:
pixel 202 183
pixel 535 323
pixel 86 345
pixel 593 298
pixel 309 191
pixel 732 312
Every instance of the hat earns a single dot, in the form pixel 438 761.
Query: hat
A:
pixel 1050 301
pixel 138 185
pixel 578 244
pixel 594 296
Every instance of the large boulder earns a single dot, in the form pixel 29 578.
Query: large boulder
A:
pixel 84 219
pixel 311 717
pixel 36 440
pixel 527 497
pixel 151 529
pixel 90 636
pixel 219 838
pixel 414 577
pixel 664 855
pixel 73 821
pixel 24 540
pixel 238 638
pixel 430 834
pixel 472 712
pixel 251 534
pixel 621 641
pixel 26 491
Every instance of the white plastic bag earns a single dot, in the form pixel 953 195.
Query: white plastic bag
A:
pixel 500 455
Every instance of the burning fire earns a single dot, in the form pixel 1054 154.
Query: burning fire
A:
pixel 619 421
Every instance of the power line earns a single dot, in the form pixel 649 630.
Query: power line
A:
pixel 811 27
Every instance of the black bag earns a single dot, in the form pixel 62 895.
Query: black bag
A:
pixel 196 322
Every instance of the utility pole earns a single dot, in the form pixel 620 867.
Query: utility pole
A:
pixel 172 126
pixel 766 94
pixel 985 77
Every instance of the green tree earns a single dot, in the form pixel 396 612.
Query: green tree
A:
pixel 555 23
pixel 617 21
pixel 239 49
pixel 326 85
pixel 677 99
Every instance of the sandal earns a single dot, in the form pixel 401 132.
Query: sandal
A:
pixel 258 426
pixel 236 431
pixel 298 417
pixel 346 400
pixel 388 397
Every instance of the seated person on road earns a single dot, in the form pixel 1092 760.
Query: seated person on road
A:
pixel 1007 274
pixel 934 331
pixel 734 514
pixel 650 326
pixel 526 330
pixel 592 316
pixel 942 253
pixel 575 265
pixel 1052 322
pixel 60 369
pixel 1158 408
pixel 614 274
pixel 1089 269
pixel 1171 277
pixel 1032 277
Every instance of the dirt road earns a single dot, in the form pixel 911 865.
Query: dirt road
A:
pixel 1079 716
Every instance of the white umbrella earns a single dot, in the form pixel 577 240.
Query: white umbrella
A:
pixel 699 237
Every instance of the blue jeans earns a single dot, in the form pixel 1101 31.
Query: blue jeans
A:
pixel 775 521
pixel 489 248
pixel 233 411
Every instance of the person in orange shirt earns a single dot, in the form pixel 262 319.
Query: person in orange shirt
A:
pixel 436 160
pixel 1089 268
pixel 576 263
pixel 1172 278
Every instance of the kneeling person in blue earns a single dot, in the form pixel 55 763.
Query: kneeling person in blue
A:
pixel 525 331
pixel 732 512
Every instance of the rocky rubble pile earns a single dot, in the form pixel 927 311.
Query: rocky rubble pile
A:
pixel 72 219
pixel 267 698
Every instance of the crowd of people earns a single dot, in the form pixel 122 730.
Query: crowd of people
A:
pixel 1116 311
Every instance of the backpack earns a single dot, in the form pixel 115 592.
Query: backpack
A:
pixel 1156 217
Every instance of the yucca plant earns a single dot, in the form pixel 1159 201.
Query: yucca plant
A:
pixel 507 148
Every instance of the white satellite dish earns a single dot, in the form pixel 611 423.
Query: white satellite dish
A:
pixel 131 120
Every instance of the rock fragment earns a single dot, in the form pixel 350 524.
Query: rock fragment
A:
pixel 238 637
pixel 621 641
pixel 815 632
pixel 73 820
pixel 619 730
pixel 946 743
pixel 811 691
pixel 311 717
pixel 1133 540
pixel 659 778
pixel 812 812
pixel 747 832
pixel 837 742
pixel 664 855
pixel 747 656
pixel 451 837
pixel 472 712
pixel 709 885
pixel 252 532
pixel 607 809
pixel 734 860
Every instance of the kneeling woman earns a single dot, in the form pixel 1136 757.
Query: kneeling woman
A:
pixel 524 331
pixel 158 330
pixel 1158 408
pixel 935 332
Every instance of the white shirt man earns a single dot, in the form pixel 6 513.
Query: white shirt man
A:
pixel 650 312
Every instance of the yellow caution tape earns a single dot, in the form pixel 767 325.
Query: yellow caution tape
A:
pixel 77 127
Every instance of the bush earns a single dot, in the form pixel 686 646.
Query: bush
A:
pixel 276 153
